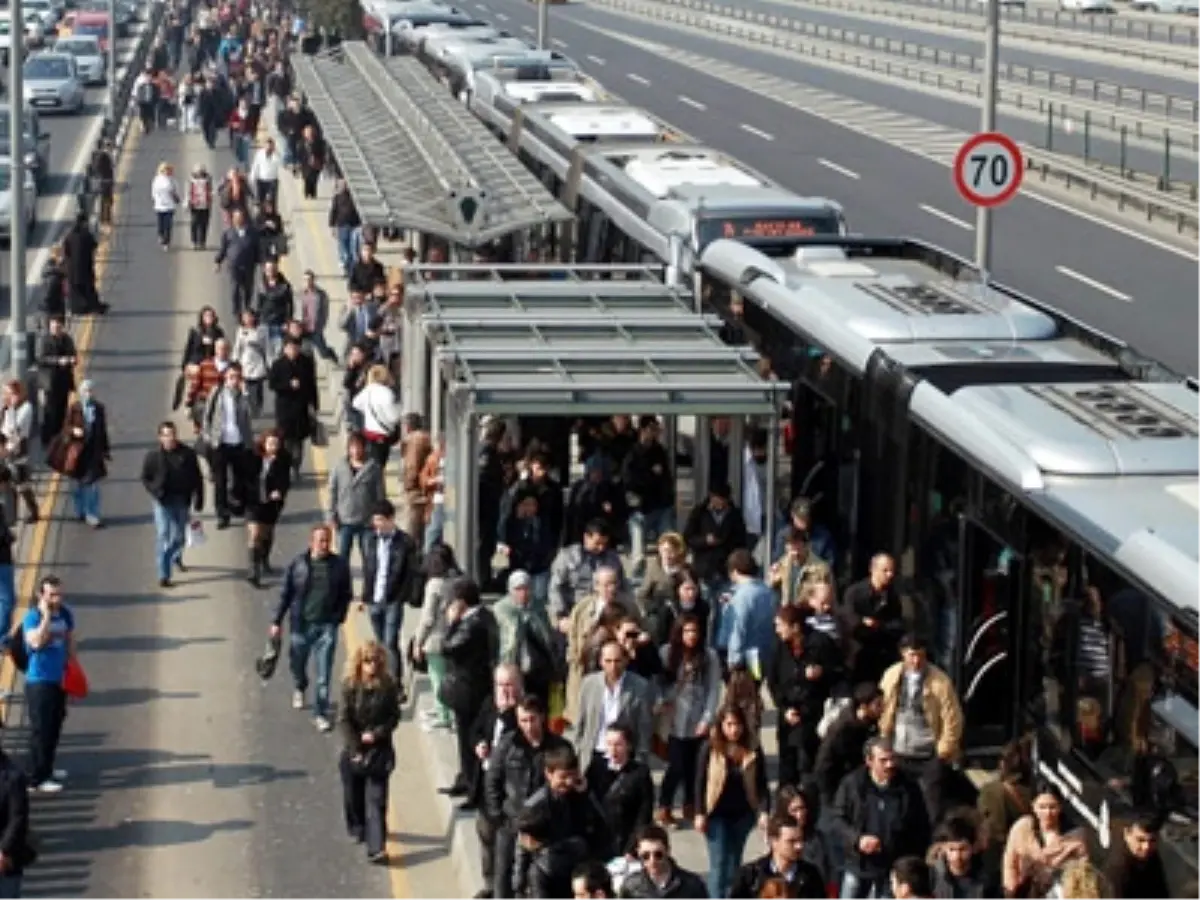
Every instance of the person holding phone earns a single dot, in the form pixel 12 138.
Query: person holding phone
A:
pixel 49 630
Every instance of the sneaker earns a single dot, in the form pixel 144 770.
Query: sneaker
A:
pixel 322 724
pixel 49 786
pixel 297 699
pixel 93 521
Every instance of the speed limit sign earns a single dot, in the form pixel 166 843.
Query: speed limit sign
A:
pixel 988 169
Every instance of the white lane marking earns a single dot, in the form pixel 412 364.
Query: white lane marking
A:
pixel 841 170
pixel 502 17
pixel 946 217
pixel 596 59
pixel 527 29
pixel 633 76
pixel 557 43
pixel 1093 283
pixel 757 132
pixel 694 104
pixel 482 6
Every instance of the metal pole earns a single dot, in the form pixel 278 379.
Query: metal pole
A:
pixel 543 25
pixel 112 63
pixel 16 225
pixel 387 37
pixel 987 122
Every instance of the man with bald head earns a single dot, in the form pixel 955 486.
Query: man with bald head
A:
pixel 874 605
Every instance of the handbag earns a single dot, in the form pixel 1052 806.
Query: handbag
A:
pixel 75 681
pixel 374 762
pixel 64 455
pixel 316 428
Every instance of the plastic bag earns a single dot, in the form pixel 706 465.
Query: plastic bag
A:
pixel 195 534
pixel 75 683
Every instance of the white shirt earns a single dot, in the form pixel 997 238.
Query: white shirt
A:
pixel 164 193
pixel 382 554
pixel 230 432
pixel 610 712
pixel 264 167
pixel 380 411
pixel 497 731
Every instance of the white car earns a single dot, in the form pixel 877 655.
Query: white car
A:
pixel 52 83
pixel 1185 7
pixel 1087 6
pixel 35 31
pixel 30 199
pixel 89 58
pixel 47 13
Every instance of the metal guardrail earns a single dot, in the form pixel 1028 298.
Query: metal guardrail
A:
pixel 931 14
pixel 1151 196
pixel 1150 28
pixel 1176 109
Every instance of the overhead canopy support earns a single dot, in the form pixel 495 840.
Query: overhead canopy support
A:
pixel 413 157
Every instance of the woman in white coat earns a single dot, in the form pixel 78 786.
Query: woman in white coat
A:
pixel 164 193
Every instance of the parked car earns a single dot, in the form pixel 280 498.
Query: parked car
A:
pixel 91 61
pixel 6 198
pixel 53 84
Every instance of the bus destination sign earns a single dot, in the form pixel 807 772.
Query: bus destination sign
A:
pixel 767 229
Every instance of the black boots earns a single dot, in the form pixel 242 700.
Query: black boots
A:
pixel 254 574
pixel 31 505
pixel 265 559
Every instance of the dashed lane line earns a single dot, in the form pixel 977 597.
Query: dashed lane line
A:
pixel 757 132
pixel 633 76
pixel 1093 284
pixel 598 60
pixel 841 170
pixel 694 104
pixel 946 217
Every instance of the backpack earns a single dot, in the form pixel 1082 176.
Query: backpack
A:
pixel 146 92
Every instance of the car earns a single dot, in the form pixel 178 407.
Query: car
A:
pixel 53 84
pixel 1185 7
pixel 35 142
pixel 35 31
pixel 92 24
pixel 125 17
pixel 6 188
pixel 1087 6
pixel 46 12
pixel 91 61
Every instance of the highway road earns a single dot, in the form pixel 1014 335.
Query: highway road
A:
pixel 949 106
pixel 1112 275
pixel 72 139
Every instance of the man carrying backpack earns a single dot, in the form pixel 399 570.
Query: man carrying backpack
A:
pixel 145 94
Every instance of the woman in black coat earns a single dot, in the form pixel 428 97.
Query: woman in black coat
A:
pixel 87 423
pixel 293 378
pixel 470 648
pixel 268 480
pixel 202 338
pixel 56 377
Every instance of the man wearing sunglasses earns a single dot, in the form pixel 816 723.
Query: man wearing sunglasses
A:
pixel 660 875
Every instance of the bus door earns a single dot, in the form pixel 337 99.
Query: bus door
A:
pixel 981 630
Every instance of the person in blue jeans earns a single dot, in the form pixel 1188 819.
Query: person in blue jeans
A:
pixel 315 598
pixel 731 795
pixel 389 566
pixel 171 476
pixel 49 633
pixel 355 489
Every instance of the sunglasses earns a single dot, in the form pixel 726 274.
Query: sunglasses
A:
pixel 652 855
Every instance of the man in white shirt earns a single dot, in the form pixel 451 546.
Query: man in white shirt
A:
pixel 264 173
pixel 230 435
pixel 609 696
pixel 389 565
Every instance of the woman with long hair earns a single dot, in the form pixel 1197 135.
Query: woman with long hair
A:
pixel 381 413
pixel 202 337
pixel 164 194
pixel 251 345
pixel 16 425
pixel 440 569
pixel 731 795
pixel 87 426
pixel 269 478
pixel 691 691
pixel 234 195
pixel 369 713
pixel 1039 847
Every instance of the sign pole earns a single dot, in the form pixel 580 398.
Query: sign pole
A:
pixel 16 193
pixel 543 24
pixel 111 65
pixel 987 124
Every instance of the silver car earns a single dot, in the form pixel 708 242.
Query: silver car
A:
pixel 52 83
pixel 89 58
pixel 30 198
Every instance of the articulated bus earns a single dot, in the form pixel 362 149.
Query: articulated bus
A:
pixel 642 190
pixel 1037 481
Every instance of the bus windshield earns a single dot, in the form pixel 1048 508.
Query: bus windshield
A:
pixel 765 230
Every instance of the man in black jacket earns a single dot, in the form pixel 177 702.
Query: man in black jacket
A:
pixel 842 747
pixel 515 771
pixel 786 839
pixel 495 721
pixel 660 875
pixel 1134 866
pixel 389 565
pixel 646 477
pixel 171 475
pixel 470 648
pixel 879 815
pixel 15 852
pixel 276 304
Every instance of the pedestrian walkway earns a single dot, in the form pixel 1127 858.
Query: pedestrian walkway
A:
pixel 187 775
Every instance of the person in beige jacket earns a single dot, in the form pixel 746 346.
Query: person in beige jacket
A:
pixel 923 718
pixel 580 625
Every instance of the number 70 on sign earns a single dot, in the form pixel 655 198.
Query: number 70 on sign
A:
pixel 989 169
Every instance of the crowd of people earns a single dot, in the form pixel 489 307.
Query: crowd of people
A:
pixel 567 693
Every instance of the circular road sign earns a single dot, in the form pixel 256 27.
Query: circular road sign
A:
pixel 988 169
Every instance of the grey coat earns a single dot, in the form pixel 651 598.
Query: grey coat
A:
pixel 571 576
pixel 431 630
pixel 637 711
pixel 353 497
pixel 212 424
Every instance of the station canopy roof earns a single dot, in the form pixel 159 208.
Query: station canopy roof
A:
pixel 413 156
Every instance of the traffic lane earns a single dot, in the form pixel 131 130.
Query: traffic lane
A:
pixel 887 191
pixel 1108 68
pixel 188 776
pixel 953 110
